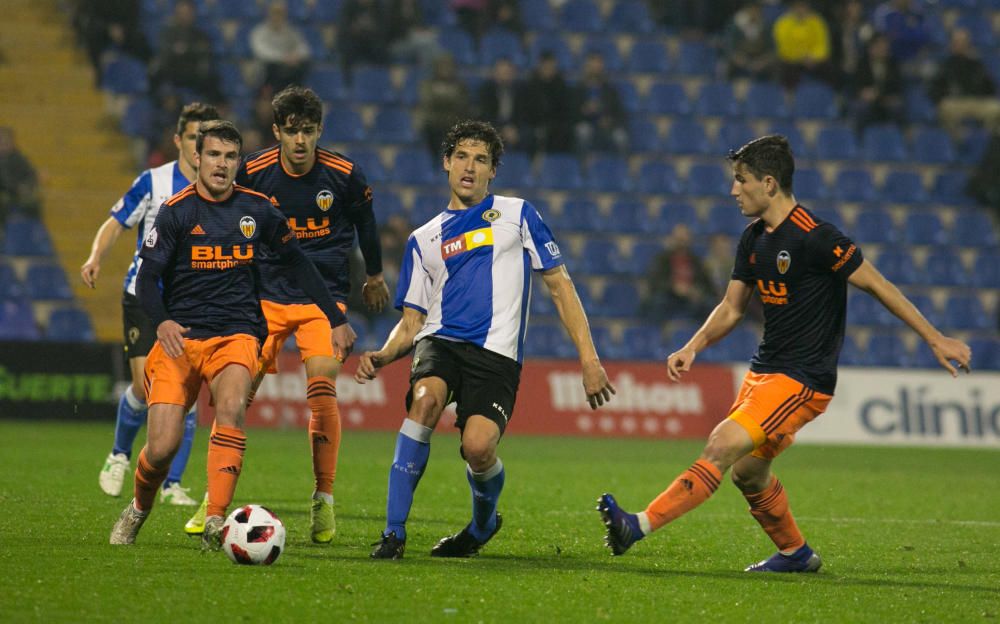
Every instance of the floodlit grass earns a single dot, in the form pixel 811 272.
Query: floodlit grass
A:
pixel 906 535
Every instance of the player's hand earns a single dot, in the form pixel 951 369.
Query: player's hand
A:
pixel 89 272
pixel 375 293
pixel 369 364
pixel 596 384
pixel 947 350
pixel 343 341
pixel 171 337
pixel 680 362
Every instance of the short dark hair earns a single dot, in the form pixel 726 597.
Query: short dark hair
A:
pixel 769 155
pixel 219 128
pixel 298 103
pixel 475 131
pixel 195 111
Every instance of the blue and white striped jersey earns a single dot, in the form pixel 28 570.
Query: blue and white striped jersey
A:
pixel 468 271
pixel 140 205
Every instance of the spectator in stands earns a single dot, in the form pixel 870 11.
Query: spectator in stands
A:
pixel 550 112
pixel 802 39
pixel 363 35
pixel 104 25
pixel 500 100
pixel 879 84
pixel 184 58
pixel 904 24
pixel 679 284
pixel 18 180
pixel 281 48
pixel 850 33
pixel 444 100
pixel 748 46
pixel 601 117
pixel 963 88
pixel 473 16
pixel 506 14
pixel 410 39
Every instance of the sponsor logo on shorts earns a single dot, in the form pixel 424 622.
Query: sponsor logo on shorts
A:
pixel 133 335
pixel 503 412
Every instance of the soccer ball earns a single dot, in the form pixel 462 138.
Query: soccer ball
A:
pixel 253 535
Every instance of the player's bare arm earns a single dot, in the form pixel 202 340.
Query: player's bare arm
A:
pixel 595 379
pixel 946 350
pixel 398 344
pixel 375 293
pixel 105 238
pixel 720 322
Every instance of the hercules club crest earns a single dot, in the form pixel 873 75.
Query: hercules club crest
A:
pixel 248 226
pixel 784 261
pixel 324 199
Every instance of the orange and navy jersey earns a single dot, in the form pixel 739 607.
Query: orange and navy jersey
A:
pixel 210 251
pixel 800 272
pixel 325 207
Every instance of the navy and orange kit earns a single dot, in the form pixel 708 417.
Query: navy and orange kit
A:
pixel 800 273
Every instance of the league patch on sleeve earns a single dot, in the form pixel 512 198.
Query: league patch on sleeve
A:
pixel 151 238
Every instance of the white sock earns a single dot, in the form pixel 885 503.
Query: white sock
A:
pixel 644 524
pixel 133 401
pixel 328 498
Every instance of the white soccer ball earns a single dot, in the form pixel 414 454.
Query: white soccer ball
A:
pixel 253 535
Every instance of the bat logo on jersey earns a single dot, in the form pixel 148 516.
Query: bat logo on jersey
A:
pixel 324 199
pixel 784 261
pixel 491 215
pixel 452 247
pixel 248 226
pixel 151 238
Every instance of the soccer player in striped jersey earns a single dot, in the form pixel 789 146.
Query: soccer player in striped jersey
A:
pixel 138 209
pixel 327 200
pixel 800 267
pixel 205 246
pixel 464 289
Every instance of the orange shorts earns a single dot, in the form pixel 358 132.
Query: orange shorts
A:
pixel 178 380
pixel 772 407
pixel 313 334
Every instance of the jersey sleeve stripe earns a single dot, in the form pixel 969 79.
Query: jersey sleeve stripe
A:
pixel 797 221
pixel 185 192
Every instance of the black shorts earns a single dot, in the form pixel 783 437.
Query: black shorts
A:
pixel 139 331
pixel 480 381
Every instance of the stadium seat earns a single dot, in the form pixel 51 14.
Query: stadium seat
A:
pixel 605 343
pixel 974 228
pixel 790 130
pixel 765 99
pixel 725 219
pixel 630 17
pixel 696 57
pixel 515 171
pixel 343 124
pixel 620 300
pixel 933 146
pixel 580 214
pixel 555 45
pixel 541 302
pixel 539 14
pixel 973 146
pixel 392 125
pixel 26 237
pixel 670 214
pixel 980 28
pixel 904 187
pixel 897 265
pixel 709 180
pixel 875 225
pixel 11 288
pixel 687 136
pixel 46 282
pixel 607 48
pixel 608 173
pixel 372 84
pixel 426 206
pixel 883 143
pixel 640 259
pixel 862 309
pixel 732 135
pixel 629 96
pixel 643 342
pixel 138 118
pixel 809 185
pixel 887 349
pixel 388 203
pixel 985 353
pixel 581 16
pixel 69 325
pixel 667 98
pixel 124 75
pixel 830 215
pixel 925 303
pixel 370 164
pixel 643 135
pixel 328 83
pixel 459 44
pixel 560 172
pixel 414 166
pixel 500 43
pixel 918 107
pixel 986 269
pixel 628 216
pixel 836 141
pixel 851 354
pixel 656 176
pixel 716 99
pixel 924 228
pixel 648 56
pixel 601 256
pixel 239 10
pixel 854 185
pixel 923 357
pixel 17 321
pixel 949 188
pixel 966 312
pixel 318 50
pixel 815 100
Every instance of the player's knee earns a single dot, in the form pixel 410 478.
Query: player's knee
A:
pixel 229 410
pixel 479 449
pixel 426 410
pixel 159 452
pixel 750 482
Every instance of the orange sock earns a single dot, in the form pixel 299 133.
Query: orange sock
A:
pixel 770 508
pixel 690 489
pixel 324 430
pixel 147 481
pixel 225 461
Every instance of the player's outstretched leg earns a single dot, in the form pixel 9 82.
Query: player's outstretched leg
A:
pixel 172 493
pixel 622 527
pixel 464 543
pixel 196 524
pixel 802 560
pixel 413 448
pixel 128 525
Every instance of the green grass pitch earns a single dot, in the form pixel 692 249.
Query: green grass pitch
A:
pixel 907 535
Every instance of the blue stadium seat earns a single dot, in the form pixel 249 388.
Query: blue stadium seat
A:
pixel 851 354
pixel 600 256
pixel 974 228
pixel 836 141
pixel 605 343
pixel 696 57
pixel 629 96
pixel 392 125
pixel 17 321
pixel 887 349
pixel 924 228
pixel 809 185
pixel 790 130
pixel 46 282
pixel 608 173
pixel 557 46
pixel 667 98
pixel 831 216
pixel 459 44
pixel 630 17
pixel 919 108
pixel 11 288
pixel 628 216
pixel 124 75
pixel 620 299
pixel 648 56
pixel 854 185
pixel 561 172
pixel 318 50
pixel 137 120
pixel 343 124
pixel 656 176
pixel 426 206
pixel 515 170
pixel 883 143
pixel 986 269
pixel 725 219
pixel 643 342
pixel 387 203
pixel 944 267
pixel 26 237
pixel 897 265
pixel 966 312
pixel 371 165
pixel 925 303
pixel 687 136
pixel 414 166
pixel 904 187
pixel 643 135
pixel 923 357
pixel 862 309
pixel 69 325
pixel 581 16
pixel 500 43
pixel 875 225
pixel 670 214
pixel 708 180
pixel 933 146
pixel 640 259
pixel 607 48
pixel 716 99
pixel 815 100
pixel 973 146
pixel 541 302
pixel 327 82
pixel 732 135
pixel 985 353
pixel 580 213
pixel 949 188
pixel 539 14
pixel 372 84
pixel 765 99
pixel 980 28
